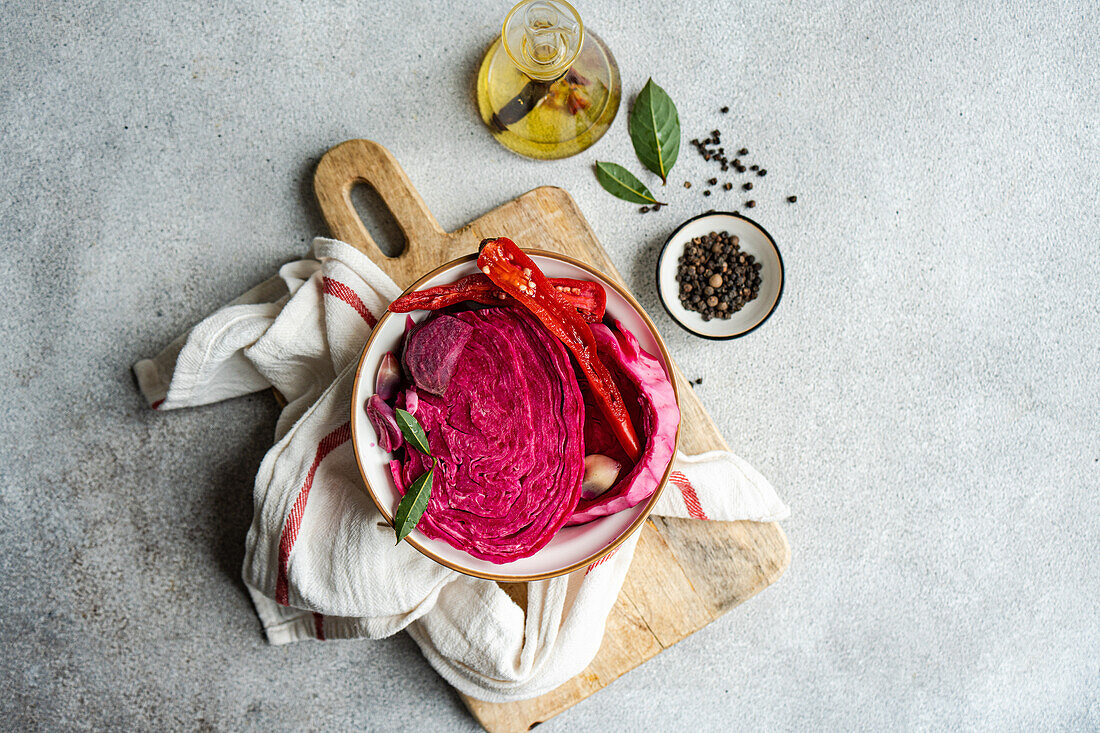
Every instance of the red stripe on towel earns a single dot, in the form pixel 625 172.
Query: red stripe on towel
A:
pixel 601 561
pixel 337 289
pixel 319 626
pixel 691 499
pixel 157 404
pixel 330 442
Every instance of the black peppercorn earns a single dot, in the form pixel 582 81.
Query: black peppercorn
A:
pixel 750 204
pixel 792 199
pixel 747 186
pixel 715 278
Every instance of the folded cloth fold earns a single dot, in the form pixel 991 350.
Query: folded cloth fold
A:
pixel 320 562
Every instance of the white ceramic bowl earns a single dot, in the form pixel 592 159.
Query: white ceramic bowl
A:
pixel 753 240
pixel 572 547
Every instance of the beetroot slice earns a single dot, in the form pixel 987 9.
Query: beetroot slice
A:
pixel 643 381
pixel 507 432
pixel 432 350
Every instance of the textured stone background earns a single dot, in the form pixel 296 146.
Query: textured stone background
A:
pixel 926 398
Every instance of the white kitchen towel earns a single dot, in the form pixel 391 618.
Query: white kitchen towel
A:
pixel 320 560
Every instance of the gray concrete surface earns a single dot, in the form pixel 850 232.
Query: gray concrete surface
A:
pixel 926 398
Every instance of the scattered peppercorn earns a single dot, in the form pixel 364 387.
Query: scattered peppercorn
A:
pixel 725 110
pixel 716 278
pixel 698 381
pixel 644 209
pixel 792 199
pixel 709 148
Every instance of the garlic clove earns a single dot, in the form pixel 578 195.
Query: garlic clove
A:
pixel 600 473
pixel 389 377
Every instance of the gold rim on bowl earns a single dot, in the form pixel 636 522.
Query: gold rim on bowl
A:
pixel 634 526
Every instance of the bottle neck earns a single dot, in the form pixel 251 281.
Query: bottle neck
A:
pixel 543 37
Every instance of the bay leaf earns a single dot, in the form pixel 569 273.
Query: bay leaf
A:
pixel 621 183
pixel 412 431
pixel 413 504
pixel 655 130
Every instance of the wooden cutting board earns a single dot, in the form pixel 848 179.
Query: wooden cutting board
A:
pixel 686 572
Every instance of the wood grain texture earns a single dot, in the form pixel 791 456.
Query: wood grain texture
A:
pixel 685 573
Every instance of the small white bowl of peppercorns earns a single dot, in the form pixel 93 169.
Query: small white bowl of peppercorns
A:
pixel 720 275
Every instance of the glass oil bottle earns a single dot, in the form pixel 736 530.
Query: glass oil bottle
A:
pixel 548 87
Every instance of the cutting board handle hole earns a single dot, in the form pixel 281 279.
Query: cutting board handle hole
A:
pixel 378 219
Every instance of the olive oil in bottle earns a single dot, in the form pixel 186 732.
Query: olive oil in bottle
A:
pixel 548 87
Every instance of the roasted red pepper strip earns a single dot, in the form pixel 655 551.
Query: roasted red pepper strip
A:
pixel 515 273
pixel 586 296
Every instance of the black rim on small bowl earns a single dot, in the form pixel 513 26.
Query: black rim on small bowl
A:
pixel 661 293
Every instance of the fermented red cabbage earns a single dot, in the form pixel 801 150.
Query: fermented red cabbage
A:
pixel 652 405
pixel 506 429
pixel 384 421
